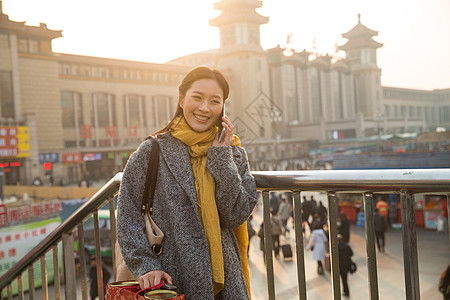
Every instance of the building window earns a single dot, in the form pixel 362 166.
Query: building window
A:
pixel 411 111
pixel 6 95
pixel 4 41
pixel 75 70
pixel 135 108
pixel 289 88
pixel 386 111
pixel 163 108
pixel 104 108
pixel 23 45
pixel 33 46
pixel 72 116
pixel 403 110
pixel 315 94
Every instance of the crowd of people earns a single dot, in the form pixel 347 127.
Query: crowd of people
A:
pixel 314 220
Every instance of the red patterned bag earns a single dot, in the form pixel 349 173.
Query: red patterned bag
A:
pixel 130 290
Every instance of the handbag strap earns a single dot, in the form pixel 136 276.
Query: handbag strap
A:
pixel 150 178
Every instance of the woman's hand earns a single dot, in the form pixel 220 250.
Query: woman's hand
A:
pixel 227 135
pixel 152 278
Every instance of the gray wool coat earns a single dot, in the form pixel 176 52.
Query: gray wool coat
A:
pixel 185 255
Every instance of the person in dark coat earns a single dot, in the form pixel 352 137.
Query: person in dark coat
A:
pixel 306 212
pixel 322 212
pixel 344 226
pixel 93 279
pixel 274 203
pixel 345 253
pixel 380 228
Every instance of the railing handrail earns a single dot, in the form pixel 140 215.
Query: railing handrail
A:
pixel 80 215
pixel 395 180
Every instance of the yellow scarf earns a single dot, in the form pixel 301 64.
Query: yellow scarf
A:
pixel 198 143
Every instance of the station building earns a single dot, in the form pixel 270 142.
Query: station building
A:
pixel 68 117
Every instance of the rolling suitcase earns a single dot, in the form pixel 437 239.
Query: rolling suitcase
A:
pixel 287 251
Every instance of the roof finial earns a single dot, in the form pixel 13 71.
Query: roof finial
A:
pixel 359 18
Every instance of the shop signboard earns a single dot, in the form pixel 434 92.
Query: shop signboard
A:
pixel 14 141
pixel 17 241
pixel 48 157
pixel 92 156
pixel 72 157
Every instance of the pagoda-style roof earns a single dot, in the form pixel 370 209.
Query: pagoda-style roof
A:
pixel 238 11
pixel 359 31
pixel 360 37
pixel 20 28
pixel 360 43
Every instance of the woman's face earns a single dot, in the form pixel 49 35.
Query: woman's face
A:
pixel 202 104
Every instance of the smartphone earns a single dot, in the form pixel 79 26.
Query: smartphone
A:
pixel 223 128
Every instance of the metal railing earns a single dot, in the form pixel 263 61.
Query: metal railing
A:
pixel 406 183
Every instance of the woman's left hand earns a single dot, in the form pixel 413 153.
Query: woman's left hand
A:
pixel 227 135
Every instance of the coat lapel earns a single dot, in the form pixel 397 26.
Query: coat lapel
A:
pixel 176 157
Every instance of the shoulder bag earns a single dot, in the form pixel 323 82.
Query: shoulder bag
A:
pixel 154 235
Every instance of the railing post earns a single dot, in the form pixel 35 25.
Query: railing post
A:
pixel 57 281
pixel 268 245
pixel 98 257
pixel 334 258
pixel 69 267
pixel 31 290
pixel 83 259
pixel 10 296
pixel 44 287
pixel 371 254
pixel 299 246
pixel 20 294
pixel 448 215
pixel 112 221
pixel 411 267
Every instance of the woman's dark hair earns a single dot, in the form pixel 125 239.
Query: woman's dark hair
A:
pixel 192 76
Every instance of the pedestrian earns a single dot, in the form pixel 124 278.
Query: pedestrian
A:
pixel 306 211
pixel 322 212
pixel 284 212
pixel 275 223
pixel 345 261
pixel 314 205
pixel 317 244
pixel 274 202
pixel 380 228
pixel 383 208
pixel 204 195
pixel 93 292
pixel 344 226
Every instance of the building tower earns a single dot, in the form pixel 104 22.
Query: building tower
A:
pixel 241 53
pixel 361 49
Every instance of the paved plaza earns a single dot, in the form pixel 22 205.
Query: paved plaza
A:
pixel 433 252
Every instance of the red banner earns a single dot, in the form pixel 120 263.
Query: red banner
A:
pixel 85 131
pixel 111 131
pixel 133 131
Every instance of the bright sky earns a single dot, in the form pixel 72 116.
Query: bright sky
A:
pixel 415 33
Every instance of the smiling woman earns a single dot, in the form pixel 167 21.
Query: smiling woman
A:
pixel 202 105
pixel 201 182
